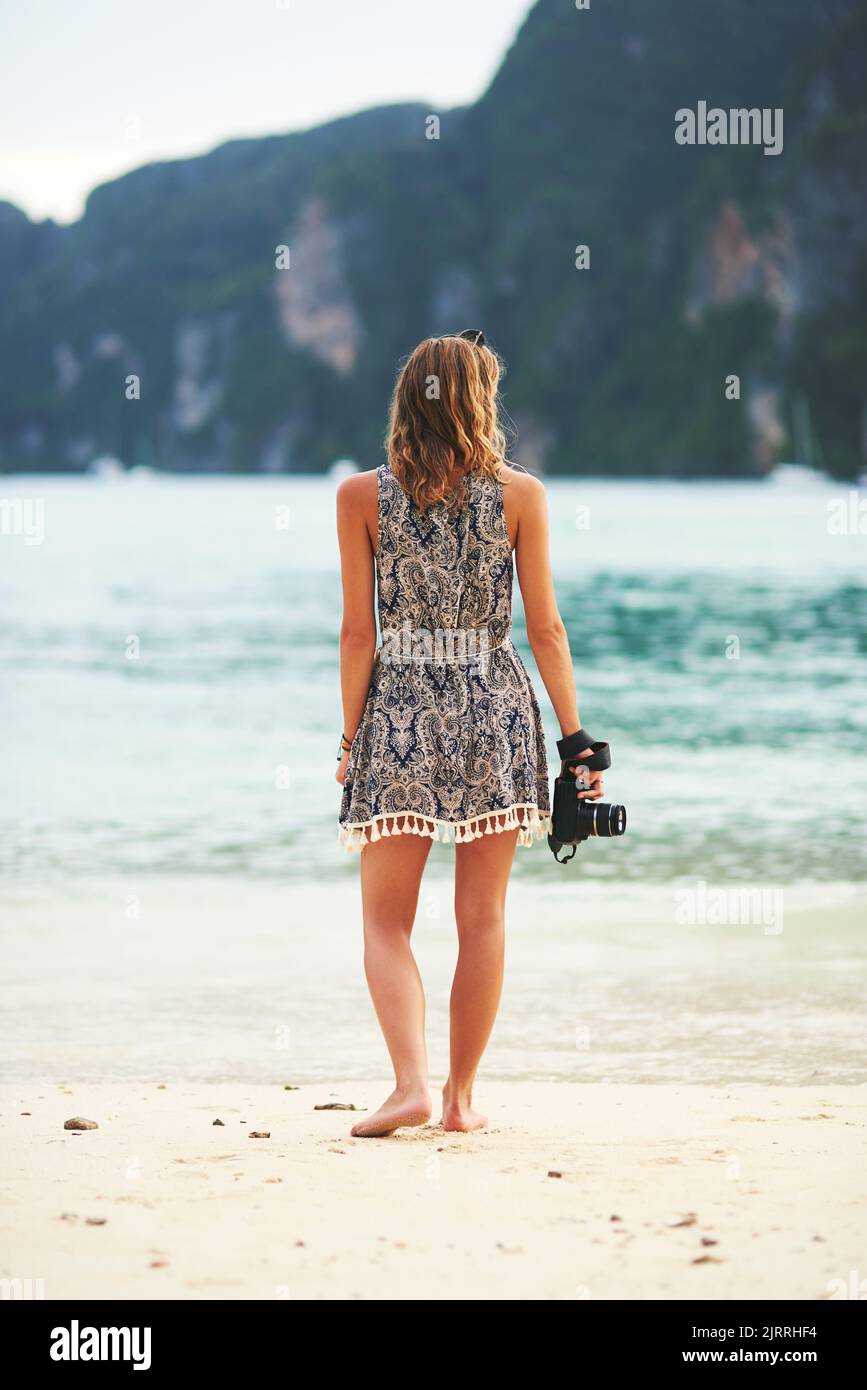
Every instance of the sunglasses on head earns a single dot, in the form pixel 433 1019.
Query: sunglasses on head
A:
pixel 472 335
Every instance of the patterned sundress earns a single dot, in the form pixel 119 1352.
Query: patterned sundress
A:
pixel 450 743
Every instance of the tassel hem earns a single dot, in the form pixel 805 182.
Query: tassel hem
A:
pixel 532 822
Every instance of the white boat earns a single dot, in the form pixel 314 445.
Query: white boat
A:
pixel 342 468
pixel 797 475
pixel 107 468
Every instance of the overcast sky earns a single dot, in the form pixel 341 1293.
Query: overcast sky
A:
pixel 92 88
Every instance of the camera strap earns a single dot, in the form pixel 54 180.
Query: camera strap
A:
pixel 572 746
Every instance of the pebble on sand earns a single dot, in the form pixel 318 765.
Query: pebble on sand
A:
pixel 259 1134
pixel 78 1123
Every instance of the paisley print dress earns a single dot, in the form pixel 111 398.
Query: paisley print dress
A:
pixel 450 742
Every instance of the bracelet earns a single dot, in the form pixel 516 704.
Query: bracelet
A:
pixel 345 746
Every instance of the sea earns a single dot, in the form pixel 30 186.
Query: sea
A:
pixel 174 900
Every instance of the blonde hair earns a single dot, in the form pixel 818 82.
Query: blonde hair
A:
pixel 444 413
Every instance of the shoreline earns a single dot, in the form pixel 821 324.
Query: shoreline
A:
pixel 205 980
pixel 587 1191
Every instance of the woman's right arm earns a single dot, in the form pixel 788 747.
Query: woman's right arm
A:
pixel 545 630
pixel 356 497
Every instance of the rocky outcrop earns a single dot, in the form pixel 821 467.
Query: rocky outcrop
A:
pixel 314 304
pixel 734 265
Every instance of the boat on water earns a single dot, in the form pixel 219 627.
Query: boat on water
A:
pixel 797 475
pixel 107 468
pixel 111 470
pixel 342 468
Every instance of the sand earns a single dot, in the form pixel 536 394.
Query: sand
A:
pixel 574 1191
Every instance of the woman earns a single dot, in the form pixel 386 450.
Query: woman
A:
pixel 442 736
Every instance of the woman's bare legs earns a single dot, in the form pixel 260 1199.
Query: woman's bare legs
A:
pixel 391 871
pixel 482 869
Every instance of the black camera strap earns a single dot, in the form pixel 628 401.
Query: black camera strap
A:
pixel 572 746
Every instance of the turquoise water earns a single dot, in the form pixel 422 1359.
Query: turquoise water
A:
pixel 212 752
pixel 174 900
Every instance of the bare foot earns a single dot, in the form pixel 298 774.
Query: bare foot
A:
pixel 403 1109
pixel 458 1114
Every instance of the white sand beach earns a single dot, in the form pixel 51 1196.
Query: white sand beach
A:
pixel 594 1191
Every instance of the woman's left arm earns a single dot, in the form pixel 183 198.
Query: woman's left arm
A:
pixel 358 627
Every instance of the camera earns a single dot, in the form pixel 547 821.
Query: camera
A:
pixel 573 821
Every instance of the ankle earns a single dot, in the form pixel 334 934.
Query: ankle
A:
pixel 411 1086
pixel 458 1095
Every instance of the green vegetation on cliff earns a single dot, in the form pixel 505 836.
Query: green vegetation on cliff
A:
pixel 705 262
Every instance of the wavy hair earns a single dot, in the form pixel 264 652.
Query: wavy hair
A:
pixel 444 413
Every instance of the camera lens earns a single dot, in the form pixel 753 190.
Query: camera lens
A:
pixel 598 818
pixel 608 820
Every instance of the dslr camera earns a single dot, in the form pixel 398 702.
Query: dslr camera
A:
pixel 573 821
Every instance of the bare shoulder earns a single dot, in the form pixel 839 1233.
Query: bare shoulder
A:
pixel 355 493
pixel 523 501
pixel 523 492
pixel 524 484
pixel 358 506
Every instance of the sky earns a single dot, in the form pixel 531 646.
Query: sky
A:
pixel 93 88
